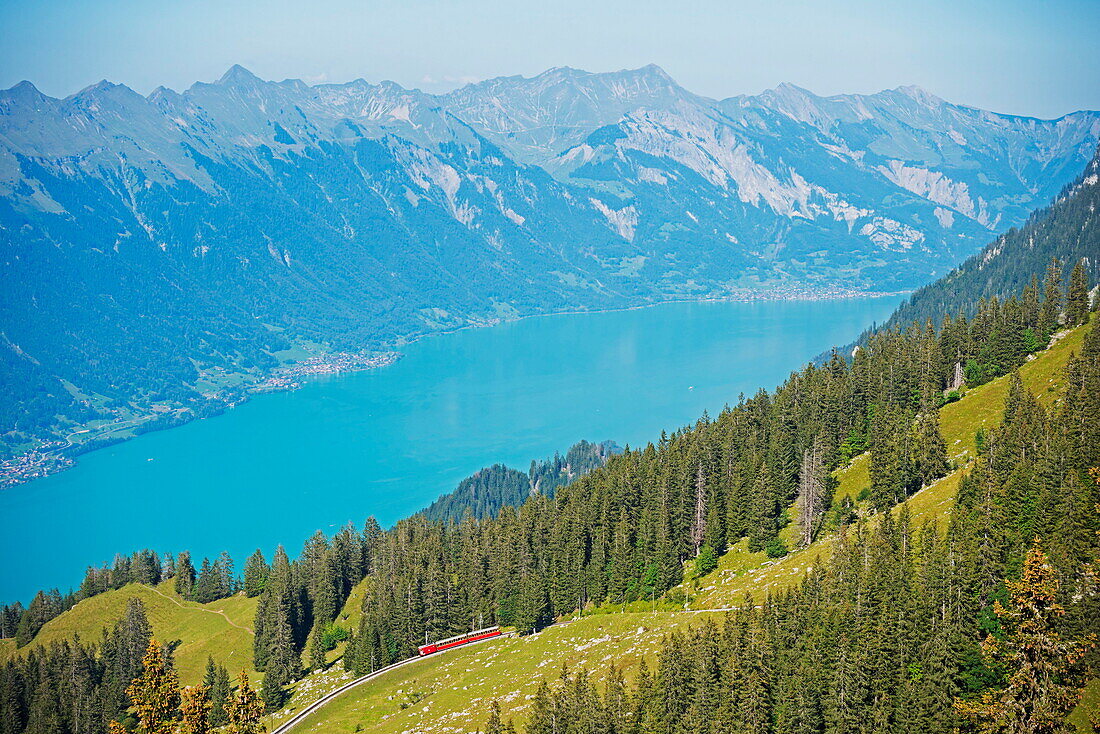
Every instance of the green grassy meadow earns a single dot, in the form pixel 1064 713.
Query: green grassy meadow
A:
pixel 452 692
pixel 220 629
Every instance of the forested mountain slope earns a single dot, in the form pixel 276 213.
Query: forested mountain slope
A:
pixel 721 483
pixel 1068 230
pixel 456 691
pixel 486 491
pixel 163 250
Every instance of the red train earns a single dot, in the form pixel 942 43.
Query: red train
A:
pixel 459 640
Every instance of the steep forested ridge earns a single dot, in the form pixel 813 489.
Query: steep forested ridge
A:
pixel 1068 230
pixel 907 629
pixel 486 491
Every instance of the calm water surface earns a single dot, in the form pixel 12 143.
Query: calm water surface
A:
pixel 389 441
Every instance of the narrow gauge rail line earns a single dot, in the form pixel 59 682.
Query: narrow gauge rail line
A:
pixel 304 713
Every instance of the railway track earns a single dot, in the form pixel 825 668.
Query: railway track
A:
pixel 308 710
pixel 305 713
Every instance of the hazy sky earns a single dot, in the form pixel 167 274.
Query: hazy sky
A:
pixel 1017 56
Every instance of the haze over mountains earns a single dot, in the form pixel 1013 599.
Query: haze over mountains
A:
pixel 151 240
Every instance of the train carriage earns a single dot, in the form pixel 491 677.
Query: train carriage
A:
pixel 457 640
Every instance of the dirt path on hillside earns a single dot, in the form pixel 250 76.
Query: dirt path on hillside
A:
pixel 180 604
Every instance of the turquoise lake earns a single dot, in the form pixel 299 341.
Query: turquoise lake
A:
pixel 389 441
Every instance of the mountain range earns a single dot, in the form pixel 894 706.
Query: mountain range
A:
pixel 1066 232
pixel 154 242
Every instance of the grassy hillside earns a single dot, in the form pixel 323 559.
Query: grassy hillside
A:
pixel 221 629
pixel 740 571
pixel 452 693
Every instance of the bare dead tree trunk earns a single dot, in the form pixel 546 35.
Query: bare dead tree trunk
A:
pixel 811 490
pixel 699 526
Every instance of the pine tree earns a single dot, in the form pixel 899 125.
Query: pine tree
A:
pixel 531 609
pixel 131 640
pixel 155 693
pixel 245 709
pixel 185 575
pixel 763 526
pixel 1044 681
pixel 890 465
pixel 931 449
pixel 282 662
pixel 195 710
pixel 755 704
pixel 494 725
pixel 207 583
pixel 256 571
pixel 216 681
pixel 543 718
pixel 323 592
pixel 1052 300
pixel 279 600
pixel 224 580
pixel 1077 299
pixel 316 649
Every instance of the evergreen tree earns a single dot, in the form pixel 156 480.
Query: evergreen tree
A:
pixel 216 681
pixel 155 693
pixel 930 449
pixel 245 709
pixel 317 649
pixel 131 640
pixel 195 710
pixel 256 571
pixel 494 725
pixel 1052 300
pixel 890 465
pixel 282 662
pixel 225 578
pixel 1044 681
pixel 185 575
pixel 1077 299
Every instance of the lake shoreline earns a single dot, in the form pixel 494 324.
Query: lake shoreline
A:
pixel 389 442
pixel 761 297
pixel 50 458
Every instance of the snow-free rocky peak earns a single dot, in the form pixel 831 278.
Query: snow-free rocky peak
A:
pixel 201 231
pixel 687 193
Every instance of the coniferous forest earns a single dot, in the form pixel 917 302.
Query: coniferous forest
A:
pixel 413 243
pixel 889 630
pixel 898 622
pixel 985 627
